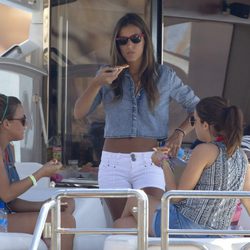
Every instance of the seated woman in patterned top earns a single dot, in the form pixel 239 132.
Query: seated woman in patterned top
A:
pixel 214 165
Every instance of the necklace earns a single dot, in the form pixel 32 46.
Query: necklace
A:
pixel 137 87
pixel 137 83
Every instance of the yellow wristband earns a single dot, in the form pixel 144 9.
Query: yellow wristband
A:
pixel 33 180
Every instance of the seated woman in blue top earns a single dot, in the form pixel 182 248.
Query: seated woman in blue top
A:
pixel 214 165
pixel 135 93
pixel 22 214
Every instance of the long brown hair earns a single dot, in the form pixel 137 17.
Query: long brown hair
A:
pixel 147 72
pixel 227 120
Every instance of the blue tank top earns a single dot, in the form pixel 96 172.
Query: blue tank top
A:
pixel 9 163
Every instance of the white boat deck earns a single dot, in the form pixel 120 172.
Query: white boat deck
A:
pixel 125 242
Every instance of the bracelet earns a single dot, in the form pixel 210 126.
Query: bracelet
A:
pixel 180 130
pixel 33 180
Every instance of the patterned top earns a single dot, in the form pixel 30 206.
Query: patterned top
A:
pixel 225 174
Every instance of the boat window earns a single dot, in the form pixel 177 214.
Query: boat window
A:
pixel 78 47
pixel 198 51
pixel 208 46
pixel 24 87
pixel 176 49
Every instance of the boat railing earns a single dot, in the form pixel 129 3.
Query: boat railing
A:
pixel 165 205
pixel 56 230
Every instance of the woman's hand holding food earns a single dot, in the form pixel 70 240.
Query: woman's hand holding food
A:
pixel 108 74
pixel 50 168
pixel 160 154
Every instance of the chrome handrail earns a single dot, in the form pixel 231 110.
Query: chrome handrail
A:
pixel 165 203
pixel 57 230
pixel 41 220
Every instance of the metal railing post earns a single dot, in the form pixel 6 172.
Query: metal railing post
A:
pixel 165 202
pixel 141 231
pixel 40 224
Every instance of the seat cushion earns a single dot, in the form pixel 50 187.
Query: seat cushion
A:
pixel 18 241
pixel 127 242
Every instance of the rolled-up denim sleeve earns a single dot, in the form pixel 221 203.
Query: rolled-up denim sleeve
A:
pixel 98 97
pixel 182 93
pixel 96 102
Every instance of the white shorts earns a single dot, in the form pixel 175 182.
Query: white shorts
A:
pixel 134 170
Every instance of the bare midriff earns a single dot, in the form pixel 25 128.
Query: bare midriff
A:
pixel 128 145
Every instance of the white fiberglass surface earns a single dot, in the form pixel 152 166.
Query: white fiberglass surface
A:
pixel 13 84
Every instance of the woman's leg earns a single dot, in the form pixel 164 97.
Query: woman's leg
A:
pixel 153 192
pixel 114 173
pixel 68 221
pixel 177 221
pixel 116 207
pixel 124 171
pixel 129 216
pixel 22 222
pixel 25 223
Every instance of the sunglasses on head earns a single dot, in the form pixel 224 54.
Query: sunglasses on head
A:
pixel 123 40
pixel 22 120
pixel 192 120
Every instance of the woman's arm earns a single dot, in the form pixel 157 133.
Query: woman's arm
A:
pixel 10 191
pixel 19 205
pixel 246 187
pixel 184 96
pixel 175 139
pixel 106 75
pixel 202 156
pixel 84 102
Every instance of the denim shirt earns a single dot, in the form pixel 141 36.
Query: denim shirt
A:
pixel 131 116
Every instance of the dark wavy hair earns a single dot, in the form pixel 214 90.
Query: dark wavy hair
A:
pixel 226 119
pixel 147 72
pixel 8 106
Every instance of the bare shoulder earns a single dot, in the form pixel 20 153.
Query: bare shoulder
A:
pixel 206 146
pixel 207 150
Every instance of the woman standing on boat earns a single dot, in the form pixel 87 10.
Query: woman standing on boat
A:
pixel 136 97
pixel 22 214
pixel 214 165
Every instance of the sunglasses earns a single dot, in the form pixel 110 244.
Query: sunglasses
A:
pixel 22 120
pixel 123 40
pixel 192 120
